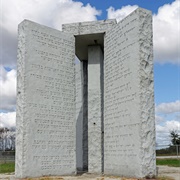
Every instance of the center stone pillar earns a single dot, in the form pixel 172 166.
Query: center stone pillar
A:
pixel 95 109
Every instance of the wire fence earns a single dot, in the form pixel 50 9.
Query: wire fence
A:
pixel 7 156
pixel 168 151
pixel 162 151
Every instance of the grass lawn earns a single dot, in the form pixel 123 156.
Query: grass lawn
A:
pixel 10 167
pixel 7 167
pixel 168 162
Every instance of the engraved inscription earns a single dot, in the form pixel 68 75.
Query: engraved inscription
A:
pixel 54 76
pixel 121 95
pixel 49 101
pixel 89 27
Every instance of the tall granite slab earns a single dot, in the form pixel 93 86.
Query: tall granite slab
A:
pixel 95 104
pixel 129 126
pixel 84 76
pixel 45 141
pixel 81 117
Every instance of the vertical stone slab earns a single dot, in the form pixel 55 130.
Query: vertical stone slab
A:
pixel 95 58
pixel 129 123
pixel 146 85
pixel 85 114
pixel 81 117
pixel 45 139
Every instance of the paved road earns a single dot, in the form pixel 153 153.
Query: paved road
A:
pixel 172 172
pixel 167 157
pixel 163 171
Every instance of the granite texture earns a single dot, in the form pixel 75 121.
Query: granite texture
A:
pixel 146 86
pixel 85 115
pixel 112 127
pixel 95 58
pixel 81 117
pixel 91 27
pixel 129 122
pixel 88 33
pixel 45 138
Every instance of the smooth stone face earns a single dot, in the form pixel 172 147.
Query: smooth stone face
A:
pixel 95 63
pixel 93 27
pixel 45 141
pixel 129 126
pixel 81 117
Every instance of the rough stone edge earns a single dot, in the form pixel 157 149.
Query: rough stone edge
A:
pixel 20 108
pixel 146 86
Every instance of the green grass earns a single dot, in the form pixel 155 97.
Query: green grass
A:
pixel 168 162
pixel 7 167
pixel 10 167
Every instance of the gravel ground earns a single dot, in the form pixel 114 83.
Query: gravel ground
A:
pixel 173 172
pixel 163 171
pixel 168 157
pixel 82 177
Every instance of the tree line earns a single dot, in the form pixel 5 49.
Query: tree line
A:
pixel 174 147
pixel 7 139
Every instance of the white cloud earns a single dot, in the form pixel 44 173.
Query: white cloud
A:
pixel 167 120
pixel 70 11
pixel 119 14
pixel 167 108
pixel 7 89
pixel 167 33
pixel 164 126
pixel 163 131
pixel 168 126
pixel 8 119
pixel 51 13
pixel 158 119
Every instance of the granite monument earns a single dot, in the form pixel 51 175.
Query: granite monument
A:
pixel 96 116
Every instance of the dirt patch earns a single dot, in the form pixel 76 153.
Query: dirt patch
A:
pixel 164 173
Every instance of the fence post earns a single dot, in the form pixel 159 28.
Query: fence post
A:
pixel 177 150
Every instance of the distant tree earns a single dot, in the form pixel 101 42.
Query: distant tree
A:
pixel 7 139
pixel 175 137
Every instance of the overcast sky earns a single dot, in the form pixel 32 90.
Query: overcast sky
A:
pixel 54 13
